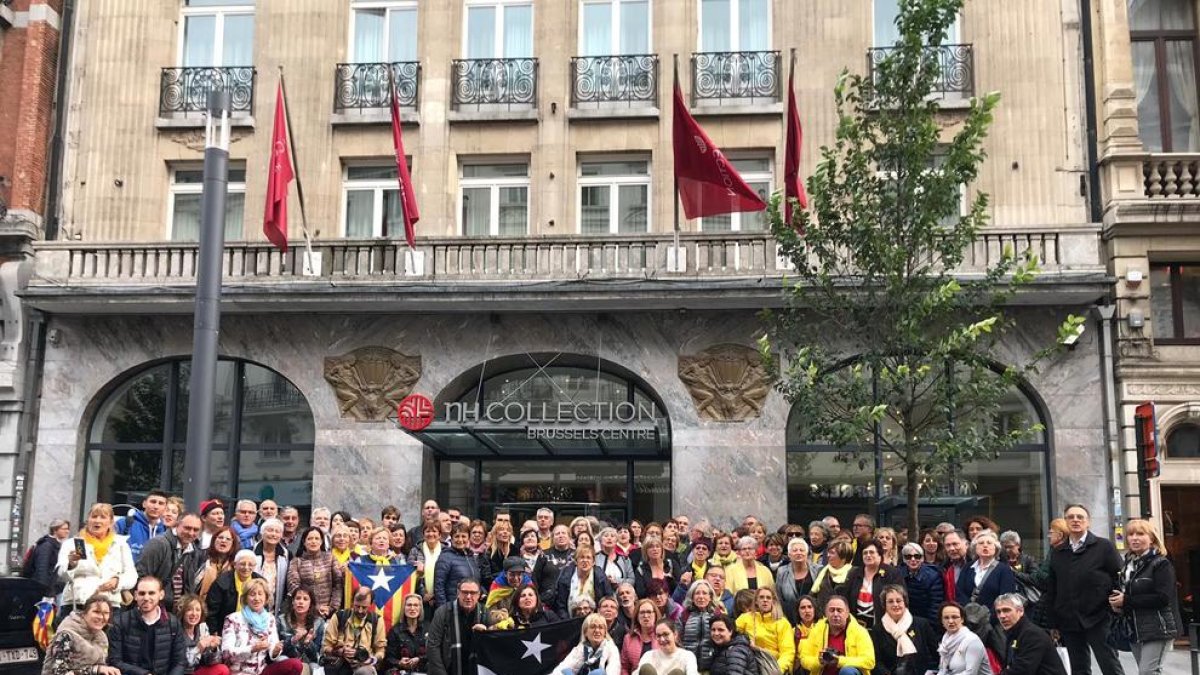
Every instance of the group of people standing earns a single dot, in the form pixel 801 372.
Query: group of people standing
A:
pixel 263 595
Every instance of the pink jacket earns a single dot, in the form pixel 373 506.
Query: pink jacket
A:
pixel 631 652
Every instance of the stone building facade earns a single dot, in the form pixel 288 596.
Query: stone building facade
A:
pixel 546 268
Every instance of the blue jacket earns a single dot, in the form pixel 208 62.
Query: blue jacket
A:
pixel 452 567
pixel 136 527
pixel 999 581
pixel 926 591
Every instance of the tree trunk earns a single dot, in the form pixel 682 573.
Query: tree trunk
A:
pixel 912 491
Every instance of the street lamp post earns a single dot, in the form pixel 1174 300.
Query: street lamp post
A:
pixel 202 383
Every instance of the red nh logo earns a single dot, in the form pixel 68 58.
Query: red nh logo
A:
pixel 415 412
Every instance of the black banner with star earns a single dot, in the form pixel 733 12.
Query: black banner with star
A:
pixel 533 651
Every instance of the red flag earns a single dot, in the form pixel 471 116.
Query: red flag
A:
pixel 793 186
pixel 708 183
pixel 408 202
pixel 278 176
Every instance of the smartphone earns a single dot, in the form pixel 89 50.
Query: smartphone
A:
pixel 80 549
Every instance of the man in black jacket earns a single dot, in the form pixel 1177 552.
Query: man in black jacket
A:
pixel 45 557
pixel 174 558
pixel 1083 573
pixel 450 644
pixel 552 562
pixel 146 638
pixel 1030 649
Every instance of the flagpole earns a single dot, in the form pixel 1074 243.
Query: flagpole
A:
pixel 676 169
pixel 287 114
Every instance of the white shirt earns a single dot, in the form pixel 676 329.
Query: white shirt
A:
pixel 1076 545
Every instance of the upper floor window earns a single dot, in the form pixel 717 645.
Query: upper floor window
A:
pixel 371 203
pixel 756 171
pixel 886 34
pixel 217 33
pixel 183 217
pixel 611 27
pixel 614 196
pixel 1163 36
pixel 735 25
pixel 499 29
pixel 495 199
pixel 1175 302
pixel 1183 441
pixel 383 31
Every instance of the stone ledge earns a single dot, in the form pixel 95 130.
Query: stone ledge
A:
pixel 771 109
pixel 197 122
pixel 529 115
pixel 373 116
pixel 602 114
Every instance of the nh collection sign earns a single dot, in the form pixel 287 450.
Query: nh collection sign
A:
pixel 603 420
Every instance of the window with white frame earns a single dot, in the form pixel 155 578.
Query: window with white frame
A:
pixel 936 162
pixel 494 199
pixel 886 34
pixel 383 31
pixel 735 25
pixel 612 27
pixel 371 205
pixel 183 218
pixel 614 196
pixel 498 29
pixel 758 174
pixel 217 33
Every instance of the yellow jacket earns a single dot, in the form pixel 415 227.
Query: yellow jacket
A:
pixel 860 651
pixel 736 580
pixel 773 635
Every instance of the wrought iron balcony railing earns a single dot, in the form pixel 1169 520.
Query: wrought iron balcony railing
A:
pixel 956 67
pixel 737 77
pixel 487 84
pixel 184 91
pixel 361 86
pixel 626 78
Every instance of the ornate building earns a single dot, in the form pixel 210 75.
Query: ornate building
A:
pixel 569 353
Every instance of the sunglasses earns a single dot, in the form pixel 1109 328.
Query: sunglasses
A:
pixel 913 556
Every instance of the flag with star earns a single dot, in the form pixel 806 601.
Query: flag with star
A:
pixel 531 651
pixel 389 584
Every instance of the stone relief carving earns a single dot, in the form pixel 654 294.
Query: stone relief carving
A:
pixel 193 139
pixel 371 381
pixel 1162 389
pixel 728 382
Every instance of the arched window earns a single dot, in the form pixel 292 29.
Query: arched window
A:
pixel 262 436
pixel 1183 441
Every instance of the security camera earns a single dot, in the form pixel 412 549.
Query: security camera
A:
pixel 1073 339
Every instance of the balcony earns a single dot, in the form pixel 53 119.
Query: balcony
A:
pixel 956 64
pixel 363 91
pixel 494 89
pixel 737 79
pixel 608 86
pixel 719 269
pixel 183 92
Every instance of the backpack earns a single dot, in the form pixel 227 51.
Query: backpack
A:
pixel 27 562
pixel 767 664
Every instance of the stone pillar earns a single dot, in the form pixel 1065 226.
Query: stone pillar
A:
pixel 728 471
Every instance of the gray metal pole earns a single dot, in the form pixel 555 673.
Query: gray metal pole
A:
pixel 202 383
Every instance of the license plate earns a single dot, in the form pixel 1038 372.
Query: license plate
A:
pixel 18 655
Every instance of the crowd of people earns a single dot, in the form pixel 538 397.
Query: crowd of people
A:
pixel 164 591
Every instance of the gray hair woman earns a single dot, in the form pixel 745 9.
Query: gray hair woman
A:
pixel 1020 562
pixel 795 579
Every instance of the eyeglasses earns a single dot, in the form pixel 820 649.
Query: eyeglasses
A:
pixel 913 556
pixel 468 593
pixel 795 534
pixel 1075 516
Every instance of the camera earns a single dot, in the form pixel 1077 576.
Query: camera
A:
pixel 362 655
pixel 829 655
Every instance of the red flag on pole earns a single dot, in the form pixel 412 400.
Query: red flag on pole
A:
pixel 793 185
pixel 408 201
pixel 279 174
pixel 708 183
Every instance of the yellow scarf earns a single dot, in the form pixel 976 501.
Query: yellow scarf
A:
pixel 342 556
pixel 237 587
pixel 99 546
pixel 725 561
pixel 698 572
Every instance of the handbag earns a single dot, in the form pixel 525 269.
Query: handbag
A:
pixel 1120 633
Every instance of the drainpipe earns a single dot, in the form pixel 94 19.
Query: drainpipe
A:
pixel 1112 438
pixel 1095 213
pixel 35 357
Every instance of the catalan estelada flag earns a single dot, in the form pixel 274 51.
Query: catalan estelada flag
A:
pixel 500 590
pixel 43 623
pixel 388 583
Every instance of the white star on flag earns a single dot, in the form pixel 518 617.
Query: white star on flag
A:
pixel 380 580
pixel 534 648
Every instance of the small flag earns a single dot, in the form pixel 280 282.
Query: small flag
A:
pixel 531 651
pixel 501 590
pixel 793 185
pixel 279 174
pixel 408 201
pixel 43 623
pixel 389 585
pixel 708 183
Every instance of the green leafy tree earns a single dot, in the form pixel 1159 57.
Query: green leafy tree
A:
pixel 881 341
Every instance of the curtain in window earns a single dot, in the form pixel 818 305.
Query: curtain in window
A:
pixel 1145 82
pixel 402 35
pixel 514 210
pixel 632 208
pixel 714 26
pixel 754 34
pixel 235 209
pixel 476 211
pixel 360 214
pixel 393 215
pixel 238 49
pixel 635 27
pixel 597 29
pixel 518 32
pixel 186 218
pixel 1160 14
pixel 481 33
pixel 368 35
pixel 1181 77
pixel 199 38
pixel 886 33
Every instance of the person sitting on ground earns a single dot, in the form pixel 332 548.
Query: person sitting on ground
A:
pixel 838 643
pixel 667 658
pixel 768 630
pixel 355 639
pixel 1030 649
pixel 595 654
pixel 146 638
pixel 960 652
pixel 203 649
pixel 406 640
pixel 250 641
pixel 80 645
pixel 731 650
pixel 904 643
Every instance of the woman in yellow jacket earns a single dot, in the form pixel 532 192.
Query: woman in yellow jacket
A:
pixel 852 645
pixel 766 628
pixel 747 572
